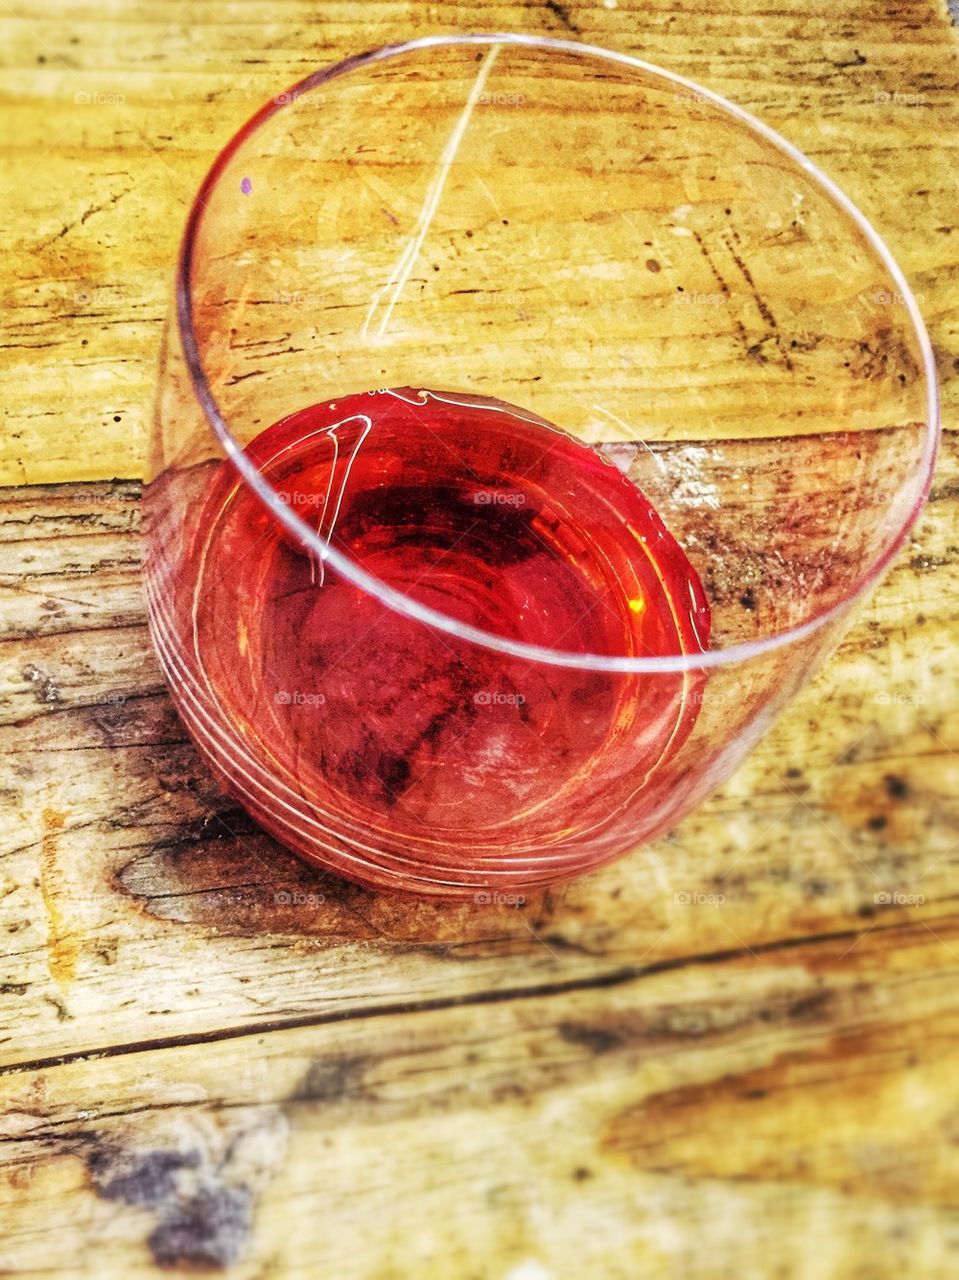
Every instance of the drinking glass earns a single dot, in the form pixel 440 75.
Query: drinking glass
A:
pixel 530 420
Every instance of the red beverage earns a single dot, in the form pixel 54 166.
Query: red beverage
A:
pixel 398 752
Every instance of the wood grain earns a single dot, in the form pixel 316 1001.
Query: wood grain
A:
pixel 753 1022
pixel 110 121
pixel 733 1055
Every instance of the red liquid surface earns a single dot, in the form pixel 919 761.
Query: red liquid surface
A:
pixel 418 757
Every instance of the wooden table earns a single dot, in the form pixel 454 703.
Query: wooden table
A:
pixel 605 1083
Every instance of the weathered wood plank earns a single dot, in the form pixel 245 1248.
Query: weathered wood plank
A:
pixel 786 1113
pixel 105 161
pixel 142 905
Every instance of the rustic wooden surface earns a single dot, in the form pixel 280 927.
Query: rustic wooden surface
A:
pixel 747 1070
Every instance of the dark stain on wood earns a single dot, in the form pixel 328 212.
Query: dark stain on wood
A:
pixel 331 1078
pixel 560 11
pixel 598 1040
pixel 850 1083
pixel 210 1230
pixel 896 788
pixel 202 1211
pixel 138 1177
pixel 813 1006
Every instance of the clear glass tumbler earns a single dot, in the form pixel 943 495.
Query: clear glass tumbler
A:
pixel 530 420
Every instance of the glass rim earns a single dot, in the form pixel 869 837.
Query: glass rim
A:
pixel 396 600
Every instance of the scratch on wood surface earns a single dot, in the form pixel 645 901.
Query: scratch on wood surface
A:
pixel 81 221
pixel 723 286
pixel 62 944
pixel 762 305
